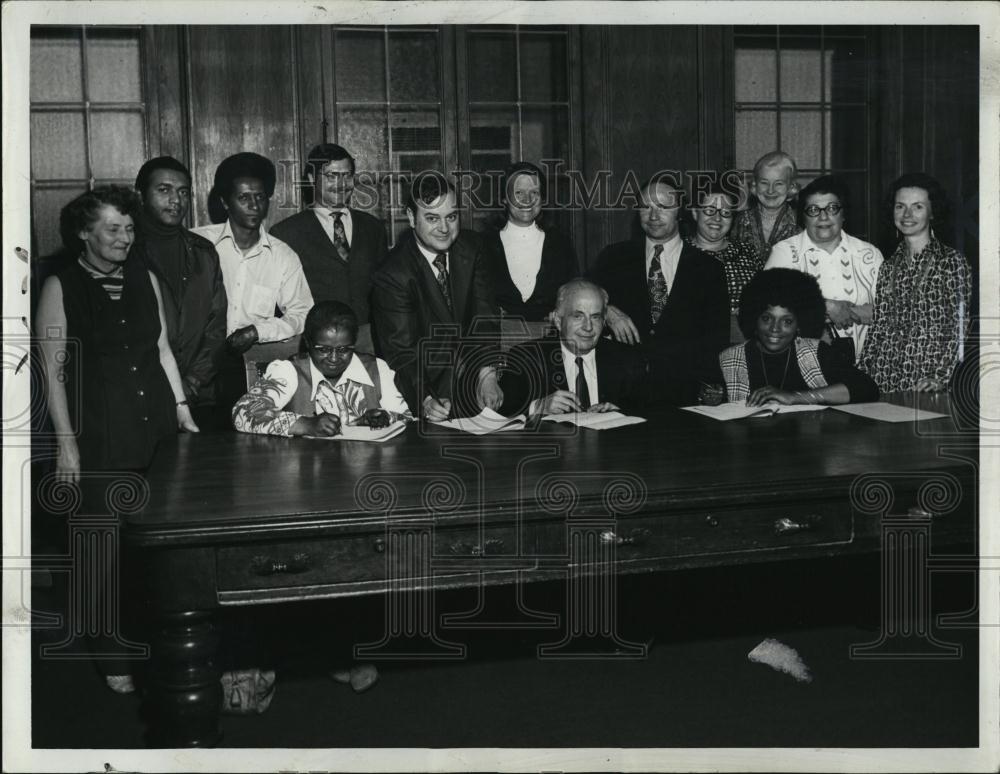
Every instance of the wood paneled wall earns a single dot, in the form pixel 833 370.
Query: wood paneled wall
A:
pixel 651 98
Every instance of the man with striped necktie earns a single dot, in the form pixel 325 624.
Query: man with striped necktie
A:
pixel 339 246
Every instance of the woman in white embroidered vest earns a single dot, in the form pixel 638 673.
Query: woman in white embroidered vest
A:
pixel 329 385
pixel 845 266
pixel 783 361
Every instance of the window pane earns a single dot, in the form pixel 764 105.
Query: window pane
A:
pixel 492 67
pixel 848 143
pixel 492 138
pixel 801 77
pixel 359 66
pixel 756 131
pixel 756 67
pixel 58 146
pixel 56 66
pixel 416 140
pixel 543 68
pixel 413 67
pixel 363 132
pixel 113 67
pixel 849 70
pixel 800 137
pixel 545 134
pixel 117 145
pixel 46 205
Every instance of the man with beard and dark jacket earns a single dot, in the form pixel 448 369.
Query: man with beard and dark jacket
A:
pixel 187 267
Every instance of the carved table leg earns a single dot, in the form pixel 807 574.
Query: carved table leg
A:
pixel 186 695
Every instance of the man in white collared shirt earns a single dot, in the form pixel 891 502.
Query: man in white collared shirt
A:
pixel 579 371
pixel 329 386
pixel 261 273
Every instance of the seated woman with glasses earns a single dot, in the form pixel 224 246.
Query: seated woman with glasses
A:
pixel 529 259
pixel 326 387
pixel 783 361
pixel 713 221
pixel 846 267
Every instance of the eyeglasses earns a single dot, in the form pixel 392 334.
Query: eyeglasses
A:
pixel 338 352
pixel 336 177
pixel 711 212
pixel 812 211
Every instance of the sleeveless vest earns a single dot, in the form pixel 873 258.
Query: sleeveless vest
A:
pixel 302 403
pixel 120 402
pixel 734 368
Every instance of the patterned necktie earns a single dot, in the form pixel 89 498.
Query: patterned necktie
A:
pixel 340 235
pixel 441 264
pixel 582 391
pixel 657 285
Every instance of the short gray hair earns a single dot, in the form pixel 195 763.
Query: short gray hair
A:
pixel 575 285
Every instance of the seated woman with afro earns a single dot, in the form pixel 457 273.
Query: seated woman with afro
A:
pixel 783 361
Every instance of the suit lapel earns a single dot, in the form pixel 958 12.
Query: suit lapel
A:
pixel 460 264
pixel 359 236
pixel 427 282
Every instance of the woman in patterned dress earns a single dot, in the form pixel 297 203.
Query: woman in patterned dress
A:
pixel 713 221
pixel 922 299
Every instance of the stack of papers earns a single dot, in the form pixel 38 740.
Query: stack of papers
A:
pixel 726 411
pixel 485 422
pixel 887 412
pixel 364 433
pixel 595 420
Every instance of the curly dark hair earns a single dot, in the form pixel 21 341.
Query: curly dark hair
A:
pixel 940 204
pixel 827 184
pixel 329 314
pixel 84 210
pixel 794 290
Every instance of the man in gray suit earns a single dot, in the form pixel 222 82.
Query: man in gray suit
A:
pixel 339 247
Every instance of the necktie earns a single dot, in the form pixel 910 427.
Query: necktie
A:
pixel 441 264
pixel 340 235
pixel 657 285
pixel 582 391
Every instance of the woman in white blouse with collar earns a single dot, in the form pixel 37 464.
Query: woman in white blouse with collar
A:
pixel 846 267
pixel 529 259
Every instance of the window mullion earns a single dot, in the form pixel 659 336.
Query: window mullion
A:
pixel 86 109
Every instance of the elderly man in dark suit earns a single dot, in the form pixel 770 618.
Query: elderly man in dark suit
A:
pixel 578 371
pixel 339 247
pixel 666 298
pixel 434 317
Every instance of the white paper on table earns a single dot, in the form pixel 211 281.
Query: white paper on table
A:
pixel 485 422
pixel 594 420
pixel 364 433
pixel 726 411
pixel 888 412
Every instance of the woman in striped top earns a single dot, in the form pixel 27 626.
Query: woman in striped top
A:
pixel 110 375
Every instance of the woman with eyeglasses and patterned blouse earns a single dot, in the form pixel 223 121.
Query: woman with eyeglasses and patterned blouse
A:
pixel 845 266
pixel 713 222
pixel 922 300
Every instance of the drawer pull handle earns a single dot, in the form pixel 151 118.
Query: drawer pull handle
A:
pixel 786 526
pixel 711 520
pixel 379 545
pixel 489 546
pixel 635 538
pixel 266 565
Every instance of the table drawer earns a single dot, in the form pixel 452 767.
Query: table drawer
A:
pixel 700 533
pixel 396 554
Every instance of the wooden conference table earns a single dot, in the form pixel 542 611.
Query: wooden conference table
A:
pixel 239 519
